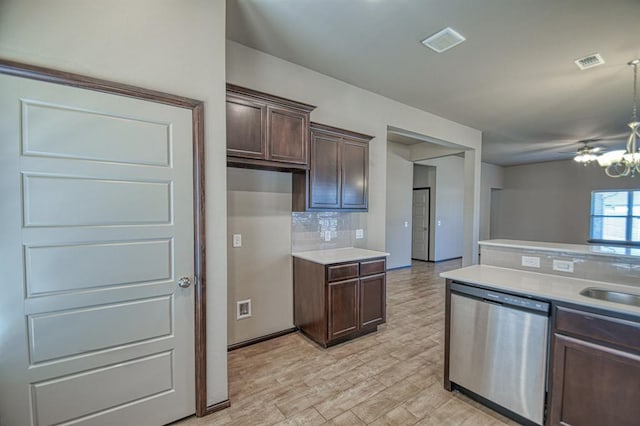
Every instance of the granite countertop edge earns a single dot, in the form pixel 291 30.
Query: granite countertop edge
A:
pixel 339 255
pixel 544 286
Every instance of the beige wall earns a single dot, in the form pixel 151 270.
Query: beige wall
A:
pixel 259 208
pixel 491 178
pixel 550 201
pixel 346 106
pixel 399 205
pixel 423 176
pixel 171 46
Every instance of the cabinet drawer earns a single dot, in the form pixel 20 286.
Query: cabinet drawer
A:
pixel 370 267
pixel 342 272
pixel 615 331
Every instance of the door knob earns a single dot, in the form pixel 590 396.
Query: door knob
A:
pixel 184 282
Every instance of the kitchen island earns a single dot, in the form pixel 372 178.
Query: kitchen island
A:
pixel 592 376
pixel 339 294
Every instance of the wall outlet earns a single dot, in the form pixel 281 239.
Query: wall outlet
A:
pixel 563 265
pixel 531 261
pixel 439 222
pixel 406 224
pixel 237 240
pixel 243 309
pixel 359 234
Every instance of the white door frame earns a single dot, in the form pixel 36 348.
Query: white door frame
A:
pixel 197 109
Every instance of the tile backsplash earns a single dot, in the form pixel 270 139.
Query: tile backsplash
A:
pixel 327 230
pixel 592 267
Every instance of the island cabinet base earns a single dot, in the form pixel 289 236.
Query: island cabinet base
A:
pixel 338 302
pixel 595 379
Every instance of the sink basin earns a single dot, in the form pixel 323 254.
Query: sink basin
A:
pixel 612 296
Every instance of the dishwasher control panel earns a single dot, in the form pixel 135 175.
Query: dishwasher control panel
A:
pixel 501 298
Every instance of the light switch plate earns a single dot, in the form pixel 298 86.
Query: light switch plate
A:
pixel 237 240
pixel 327 236
pixel 531 261
pixel 359 234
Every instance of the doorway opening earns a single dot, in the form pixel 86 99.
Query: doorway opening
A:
pixel 432 193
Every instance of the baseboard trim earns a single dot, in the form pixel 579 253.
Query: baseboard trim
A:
pixel 444 260
pixel 217 407
pixel 261 339
pixel 398 267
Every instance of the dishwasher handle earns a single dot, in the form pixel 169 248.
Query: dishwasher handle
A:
pixel 500 298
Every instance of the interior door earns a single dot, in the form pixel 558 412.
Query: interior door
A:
pixel 420 232
pixel 97 228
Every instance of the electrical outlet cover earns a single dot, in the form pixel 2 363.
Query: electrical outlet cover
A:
pixel 243 309
pixel 531 261
pixel 563 265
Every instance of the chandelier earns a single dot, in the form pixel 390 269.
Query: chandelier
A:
pixel 622 162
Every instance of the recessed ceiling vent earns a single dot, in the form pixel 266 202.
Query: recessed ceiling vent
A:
pixel 443 40
pixel 589 61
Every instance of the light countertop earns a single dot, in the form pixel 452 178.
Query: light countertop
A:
pixel 349 254
pixel 545 286
pixel 584 249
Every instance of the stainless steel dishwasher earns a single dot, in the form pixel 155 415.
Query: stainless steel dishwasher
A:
pixel 498 348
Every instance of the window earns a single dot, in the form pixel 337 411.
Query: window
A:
pixel 615 216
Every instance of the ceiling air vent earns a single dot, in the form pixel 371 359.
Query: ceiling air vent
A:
pixel 443 40
pixel 589 61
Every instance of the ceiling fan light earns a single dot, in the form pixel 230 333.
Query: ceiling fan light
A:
pixel 585 158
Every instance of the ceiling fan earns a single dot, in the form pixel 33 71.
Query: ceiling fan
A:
pixel 587 154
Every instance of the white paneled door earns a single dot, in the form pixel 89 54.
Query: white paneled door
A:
pixel 97 229
pixel 420 218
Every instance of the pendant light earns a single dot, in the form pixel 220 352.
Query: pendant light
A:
pixel 621 163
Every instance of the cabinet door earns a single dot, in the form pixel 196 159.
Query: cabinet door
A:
pixel 343 308
pixel 324 182
pixel 355 167
pixel 593 384
pixel 372 300
pixel 287 135
pixel 246 128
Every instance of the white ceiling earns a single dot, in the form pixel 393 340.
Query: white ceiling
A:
pixel 514 78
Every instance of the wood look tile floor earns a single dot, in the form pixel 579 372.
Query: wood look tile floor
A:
pixel 391 377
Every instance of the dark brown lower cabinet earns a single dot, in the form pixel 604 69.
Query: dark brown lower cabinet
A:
pixel 337 302
pixel 595 378
pixel 343 308
pixel 372 301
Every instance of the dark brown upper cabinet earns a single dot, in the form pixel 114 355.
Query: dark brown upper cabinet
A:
pixel 266 131
pixel 339 172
